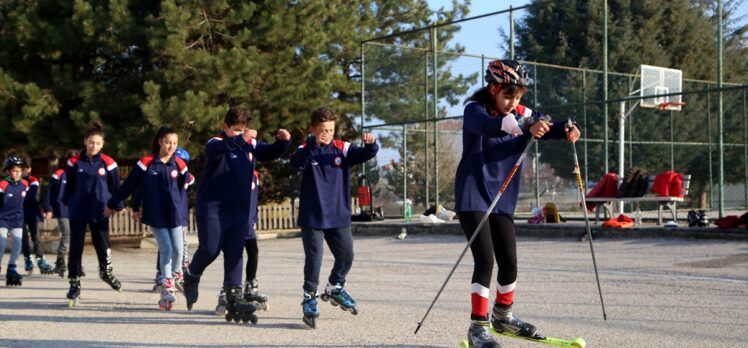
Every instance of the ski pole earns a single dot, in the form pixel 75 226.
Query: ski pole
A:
pixel 578 172
pixel 480 225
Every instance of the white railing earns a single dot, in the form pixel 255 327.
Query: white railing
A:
pixel 272 218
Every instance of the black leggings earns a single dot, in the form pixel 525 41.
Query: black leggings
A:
pixel 252 258
pixel 496 238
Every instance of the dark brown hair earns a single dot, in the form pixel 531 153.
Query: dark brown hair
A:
pixel 483 95
pixel 323 114
pixel 96 129
pixel 237 115
pixel 160 134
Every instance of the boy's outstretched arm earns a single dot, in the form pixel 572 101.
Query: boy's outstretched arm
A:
pixel 266 152
pixel 357 155
pixel 302 156
pixel 218 146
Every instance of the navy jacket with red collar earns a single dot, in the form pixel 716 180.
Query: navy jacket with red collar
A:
pixel 53 198
pixel 488 156
pixel 89 186
pixel 12 195
pixel 325 193
pixel 225 186
pixel 164 190
pixel 32 212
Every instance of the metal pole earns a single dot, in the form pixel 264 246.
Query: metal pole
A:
pixel 709 146
pixel 536 151
pixel 511 33
pixel 720 121
pixel 585 135
pixel 605 84
pixel 482 70
pixel 426 124
pixel 621 148
pixel 745 152
pixel 672 145
pixel 363 100
pixel 435 41
pixel 405 169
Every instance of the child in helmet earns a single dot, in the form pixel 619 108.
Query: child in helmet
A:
pixel 496 129
pixel 13 190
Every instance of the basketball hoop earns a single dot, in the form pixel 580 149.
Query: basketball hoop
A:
pixel 670 105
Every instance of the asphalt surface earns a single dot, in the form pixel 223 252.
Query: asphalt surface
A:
pixel 657 292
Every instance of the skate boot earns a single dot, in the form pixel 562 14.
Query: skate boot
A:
pixel 44 267
pixel 251 294
pixel 59 267
pixel 238 308
pixel 179 281
pixel 74 292
pixel 110 279
pixel 311 309
pixel 28 265
pixel 504 321
pixel 479 335
pixel 159 280
pixel 337 296
pixel 191 283
pixel 12 278
pixel 222 303
pixel 167 295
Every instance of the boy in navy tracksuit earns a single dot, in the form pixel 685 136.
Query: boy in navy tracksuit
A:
pixel 223 203
pixel 496 130
pixel 13 190
pixel 53 208
pixel 325 208
pixel 32 215
pixel 163 178
pixel 91 177
pixel 251 285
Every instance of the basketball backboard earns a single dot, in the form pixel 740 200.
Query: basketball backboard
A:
pixel 657 81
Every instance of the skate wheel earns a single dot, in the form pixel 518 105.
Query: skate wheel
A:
pixel 324 297
pixel 309 322
pixel 72 303
pixel 578 342
pixel 464 344
pixel 354 311
pixel 253 319
pixel 229 317
pixel 237 318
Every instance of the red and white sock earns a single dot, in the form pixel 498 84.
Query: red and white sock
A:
pixel 479 300
pixel 505 294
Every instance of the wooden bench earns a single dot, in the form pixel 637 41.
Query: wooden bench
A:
pixel 662 202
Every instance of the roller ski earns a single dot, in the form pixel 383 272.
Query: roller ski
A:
pixel 44 267
pixel 254 296
pixel 311 309
pixel 504 323
pixel 110 279
pixel 337 296
pixel 28 265
pixel 237 308
pixel 191 283
pixel 12 278
pixel 74 292
pixel 222 303
pixel 59 267
pixel 167 296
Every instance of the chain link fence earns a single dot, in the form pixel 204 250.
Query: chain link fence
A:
pixel 414 85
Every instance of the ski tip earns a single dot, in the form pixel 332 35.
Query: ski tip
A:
pixel 578 342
